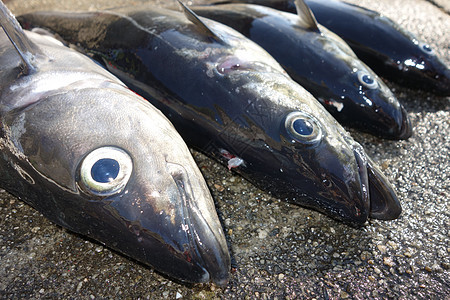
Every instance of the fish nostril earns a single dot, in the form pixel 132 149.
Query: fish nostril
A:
pixel 180 178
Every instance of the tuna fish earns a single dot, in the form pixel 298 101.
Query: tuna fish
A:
pixel 384 45
pixel 322 63
pixel 230 99
pixel 96 158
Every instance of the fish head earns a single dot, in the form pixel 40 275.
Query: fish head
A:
pixel 360 97
pixel 300 153
pixel 402 57
pixel 424 68
pixel 295 148
pixel 339 177
pixel 335 169
pixel 370 104
pixel 105 163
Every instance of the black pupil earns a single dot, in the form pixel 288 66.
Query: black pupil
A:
pixel 105 170
pixel 303 127
pixel 426 48
pixel 367 79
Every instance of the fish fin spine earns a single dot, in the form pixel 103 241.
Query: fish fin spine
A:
pixel 194 18
pixel 303 10
pixel 25 48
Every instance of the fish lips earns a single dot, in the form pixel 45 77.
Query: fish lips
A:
pixel 208 242
pixel 377 193
pixel 179 242
pixel 356 190
pixel 442 82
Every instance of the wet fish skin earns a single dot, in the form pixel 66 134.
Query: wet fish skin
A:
pixel 63 115
pixel 322 63
pixel 385 46
pixel 228 98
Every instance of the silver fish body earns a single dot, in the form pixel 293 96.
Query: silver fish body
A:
pixel 95 158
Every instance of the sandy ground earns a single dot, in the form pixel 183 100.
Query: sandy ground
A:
pixel 279 250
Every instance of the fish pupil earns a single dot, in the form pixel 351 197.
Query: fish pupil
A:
pixel 427 48
pixel 367 79
pixel 303 127
pixel 105 170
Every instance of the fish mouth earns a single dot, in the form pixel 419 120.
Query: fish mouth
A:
pixel 443 83
pixel 206 240
pixel 378 194
pixel 405 127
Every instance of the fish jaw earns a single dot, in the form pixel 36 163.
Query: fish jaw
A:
pixel 384 204
pixel 442 86
pixel 160 218
pixel 353 188
pixel 383 201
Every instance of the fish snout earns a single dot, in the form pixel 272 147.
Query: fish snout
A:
pixel 387 117
pixel 202 228
pixel 170 225
pixel 443 83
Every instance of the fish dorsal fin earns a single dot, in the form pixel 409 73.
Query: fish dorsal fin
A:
pixel 305 13
pixel 193 17
pixel 26 49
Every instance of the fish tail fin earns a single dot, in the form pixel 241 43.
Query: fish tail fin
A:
pixel 26 49
pixel 194 18
pixel 305 13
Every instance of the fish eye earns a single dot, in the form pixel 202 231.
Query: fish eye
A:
pixel 303 127
pixel 367 80
pixel 105 171
pixel 426 48
pixel 231 63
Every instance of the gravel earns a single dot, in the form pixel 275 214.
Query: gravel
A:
pixel 279 250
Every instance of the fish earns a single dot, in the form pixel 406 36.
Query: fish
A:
pixel 94 157
pixel 386 47
pixel 322 63
pixel 231 100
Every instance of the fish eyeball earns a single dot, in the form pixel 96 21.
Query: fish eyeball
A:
pixel 303 127
pixel 426 48
pixel 367 80
pixel 105 171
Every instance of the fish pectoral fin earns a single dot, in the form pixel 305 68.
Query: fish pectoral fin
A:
pixel 26 49
pixel 194 18
pixel 306 15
